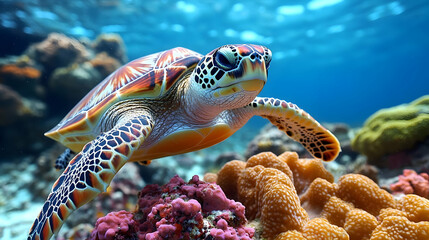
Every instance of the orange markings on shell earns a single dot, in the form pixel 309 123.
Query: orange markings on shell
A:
pixel 141 78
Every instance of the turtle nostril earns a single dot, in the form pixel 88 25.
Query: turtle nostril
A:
pixel 253 56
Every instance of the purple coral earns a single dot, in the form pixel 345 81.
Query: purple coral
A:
pixel 115 226
pixel 193 210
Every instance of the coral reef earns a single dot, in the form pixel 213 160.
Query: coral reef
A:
pixel 393 130
pixel 47 79
pixel 115 225
pixel 309 205
pixel 111 44
pixel 178 210
pixel 411 182
pixel 57 50
pixel 104 64
pixel 74 82
pixel 24 79
pixel 11 105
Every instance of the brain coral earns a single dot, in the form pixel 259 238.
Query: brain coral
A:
pixel 353 208
pixel 393 130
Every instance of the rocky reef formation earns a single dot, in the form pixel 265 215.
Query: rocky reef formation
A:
pixel 297 199
pixel 177 210
pixel 389 133
pixel 38 87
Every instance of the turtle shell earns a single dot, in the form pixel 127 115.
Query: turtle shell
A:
pixel 147 77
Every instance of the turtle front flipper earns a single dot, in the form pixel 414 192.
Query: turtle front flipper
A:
pixel 297 124
pixel 89 173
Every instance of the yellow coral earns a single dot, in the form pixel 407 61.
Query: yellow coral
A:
pixel 290 235
pixel 228 176
pixel 364 193
pixel 347 210
pixel 280 207
pixel 336 210
pixel 210 177
pixel 317 195
pixel 269 160
pixel 415 207
pixel 305 170
pixel 399 228
pixel 360 224
pixel 319 228
pixel 387 212
pixel 246 187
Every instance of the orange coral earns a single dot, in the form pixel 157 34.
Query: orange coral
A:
pixel 319 228
pixel 355 208
pixel 290 235
pixel 415 207
pixel 210 177
pixel 247 190
pixel 269 160
pixel 305 170
pixel 317 195
pixel 336 210
pixel 228 176
pixel 398 228
pixel 387 212
pixel 280 207
pixel 364 193
pixel 16 72
pixel 360 224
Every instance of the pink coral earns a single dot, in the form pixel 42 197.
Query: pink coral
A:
pixel 180 210
pixel 411 182
pixel 115 225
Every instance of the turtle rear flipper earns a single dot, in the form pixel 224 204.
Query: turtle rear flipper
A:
pixel 89 173
pixel 64 159
pixel 297 124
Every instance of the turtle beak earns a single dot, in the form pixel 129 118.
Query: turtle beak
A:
pixel 250 76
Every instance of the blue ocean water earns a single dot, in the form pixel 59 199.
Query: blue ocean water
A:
pixel 340 60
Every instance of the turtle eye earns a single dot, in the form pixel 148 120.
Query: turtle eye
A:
pixel 225 59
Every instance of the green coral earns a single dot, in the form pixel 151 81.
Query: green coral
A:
pixel 394 129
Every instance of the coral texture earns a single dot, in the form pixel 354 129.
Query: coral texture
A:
pixel 111 44
pixel 58 51
pixel 411 182
pixel 10 105
pixel 353 208
pixel 179 210
pixel 115 225
pixel 393 130
pixel 73 82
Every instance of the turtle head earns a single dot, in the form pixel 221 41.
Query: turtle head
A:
pixel 231 76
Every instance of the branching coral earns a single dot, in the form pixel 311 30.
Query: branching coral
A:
pixel 411 182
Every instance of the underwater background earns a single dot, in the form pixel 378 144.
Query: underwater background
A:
pixel 339 60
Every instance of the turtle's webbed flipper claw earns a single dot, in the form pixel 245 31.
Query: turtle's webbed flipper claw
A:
pixel 298 125
pixel 90 173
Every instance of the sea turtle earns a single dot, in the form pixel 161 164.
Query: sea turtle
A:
pixel 164 104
